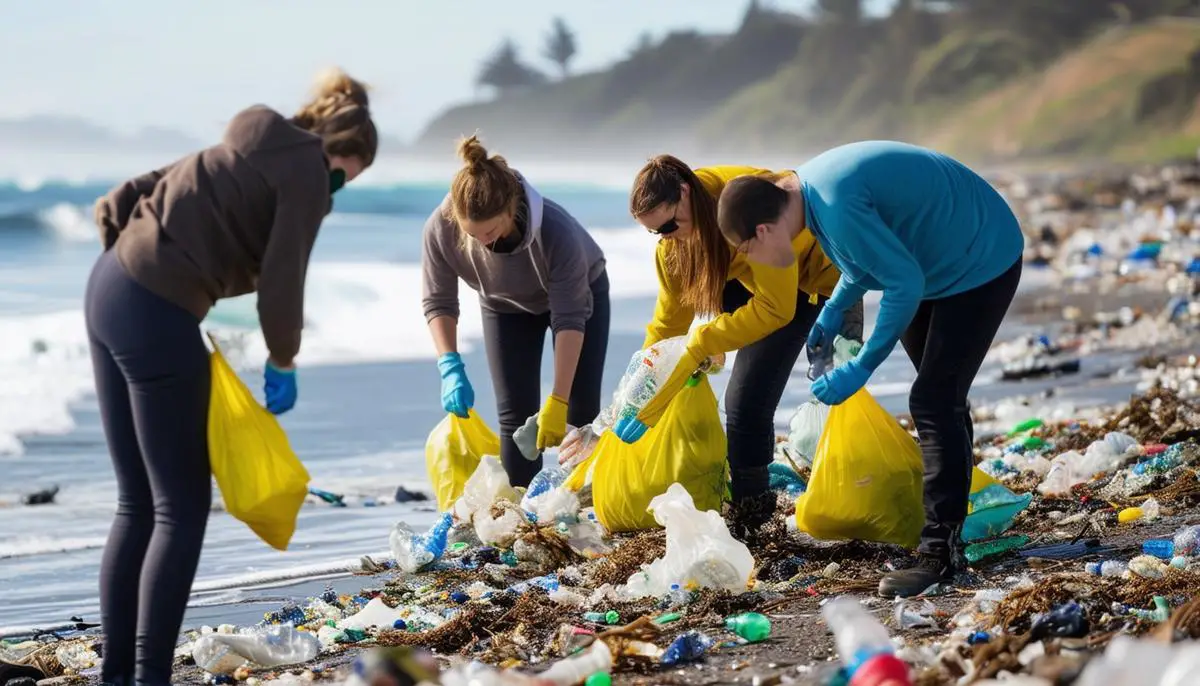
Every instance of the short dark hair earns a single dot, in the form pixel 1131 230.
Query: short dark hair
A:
pixel 747 202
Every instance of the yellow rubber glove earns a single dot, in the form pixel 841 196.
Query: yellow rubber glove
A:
pixel 687 365
pixel 552 423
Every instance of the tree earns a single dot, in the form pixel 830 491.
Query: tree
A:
pixel 560 45
pixel 845 11
pixel 504 70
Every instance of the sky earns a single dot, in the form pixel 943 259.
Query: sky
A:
pixel 129 64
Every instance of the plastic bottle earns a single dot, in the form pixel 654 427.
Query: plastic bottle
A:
pixel 1162 548
pixel 858 634
pixel 414 551
pixel 598 679
pixel 881 669
pixel 677 597
pixel 687 647
pixel 1109 568
pixel 1187 540
pixel 1027 425
pixel 751 626
pixel 1160 613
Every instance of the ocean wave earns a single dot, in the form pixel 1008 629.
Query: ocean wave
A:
pixel 64 221
pixel 28 546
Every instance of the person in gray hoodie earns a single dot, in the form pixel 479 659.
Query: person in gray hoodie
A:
pixel 235 218
pixel 535 269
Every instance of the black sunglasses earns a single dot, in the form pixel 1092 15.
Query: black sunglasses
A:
pixel 669 227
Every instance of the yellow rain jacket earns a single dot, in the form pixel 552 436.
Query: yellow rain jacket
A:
pixel 772 305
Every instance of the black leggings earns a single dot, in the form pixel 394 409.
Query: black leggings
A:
pixel 152 382
pixel 947 341
pixel 760 373
pixel 514 344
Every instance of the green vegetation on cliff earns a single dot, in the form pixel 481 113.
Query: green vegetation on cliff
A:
pixel 986 80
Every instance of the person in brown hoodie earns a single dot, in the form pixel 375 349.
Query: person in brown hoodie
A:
pixel 536 269
pixel 238 217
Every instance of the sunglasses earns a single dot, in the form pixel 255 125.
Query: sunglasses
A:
pixel 669 227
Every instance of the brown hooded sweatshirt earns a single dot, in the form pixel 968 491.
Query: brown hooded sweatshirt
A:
pixel 237 217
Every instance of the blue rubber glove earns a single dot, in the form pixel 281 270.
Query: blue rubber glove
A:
pixel 629 429
pixel 837 386
pixel 279 388
pixel 820 339
pixel 457 395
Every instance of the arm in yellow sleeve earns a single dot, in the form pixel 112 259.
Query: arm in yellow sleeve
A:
pixel 772 306
pixel 671 317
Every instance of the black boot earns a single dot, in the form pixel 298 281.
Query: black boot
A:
pixel 905 583
pixel 747 516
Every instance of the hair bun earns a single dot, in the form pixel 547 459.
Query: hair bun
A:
pixel 334 84
pixel 471 151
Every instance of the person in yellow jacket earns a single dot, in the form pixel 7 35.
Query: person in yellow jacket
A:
pixel 763 311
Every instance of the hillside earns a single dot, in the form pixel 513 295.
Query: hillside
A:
pixel 983 88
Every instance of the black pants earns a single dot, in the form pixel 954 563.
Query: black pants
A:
pixel 152 382
pixel 514 344
pixel 760 373
pixel 947 341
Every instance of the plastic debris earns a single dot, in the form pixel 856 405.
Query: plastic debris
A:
pixel 700 550
pixel 687 647
pixel 269 647
pixel 752 626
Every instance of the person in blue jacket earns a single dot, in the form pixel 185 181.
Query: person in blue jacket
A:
pixel 945 249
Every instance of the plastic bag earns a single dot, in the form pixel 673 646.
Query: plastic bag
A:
pixel 806 428
pixel 700 550
pixel 866 481
pixel 262 481
pixel 453 451
pixel 267 647
pixel 686 447
pixel 487 487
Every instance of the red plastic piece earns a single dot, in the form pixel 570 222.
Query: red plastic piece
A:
pixel 1154 448
pixel 880 670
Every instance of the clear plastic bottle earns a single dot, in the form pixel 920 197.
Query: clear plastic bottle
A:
pixel 1187 541
pixel 858 634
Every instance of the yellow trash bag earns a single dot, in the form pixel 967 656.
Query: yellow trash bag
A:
pixel 452 453
pixel 262 481
pixel 866 478
pixel 687 446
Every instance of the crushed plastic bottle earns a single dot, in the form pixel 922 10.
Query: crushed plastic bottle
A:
pixel 267 647
pixel 1160 613
pixel 752 626
pixel 646 371
pixel 858 634
pixel 1064 621
pixel 1187 541
pixel 687 647
pixel 572 670
pixel 981 551
pixel 678 597
pixel 1108 568
pixel 1162 548
pixel 415 551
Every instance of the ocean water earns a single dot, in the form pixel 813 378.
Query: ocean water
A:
pixel 369 391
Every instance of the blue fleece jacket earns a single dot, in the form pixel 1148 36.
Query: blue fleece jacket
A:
pixel 907 221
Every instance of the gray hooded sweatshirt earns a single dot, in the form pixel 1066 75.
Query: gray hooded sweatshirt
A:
pixel 551 270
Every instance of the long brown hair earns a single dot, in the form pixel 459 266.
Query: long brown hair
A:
pixel 339 112
pixel 700 262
